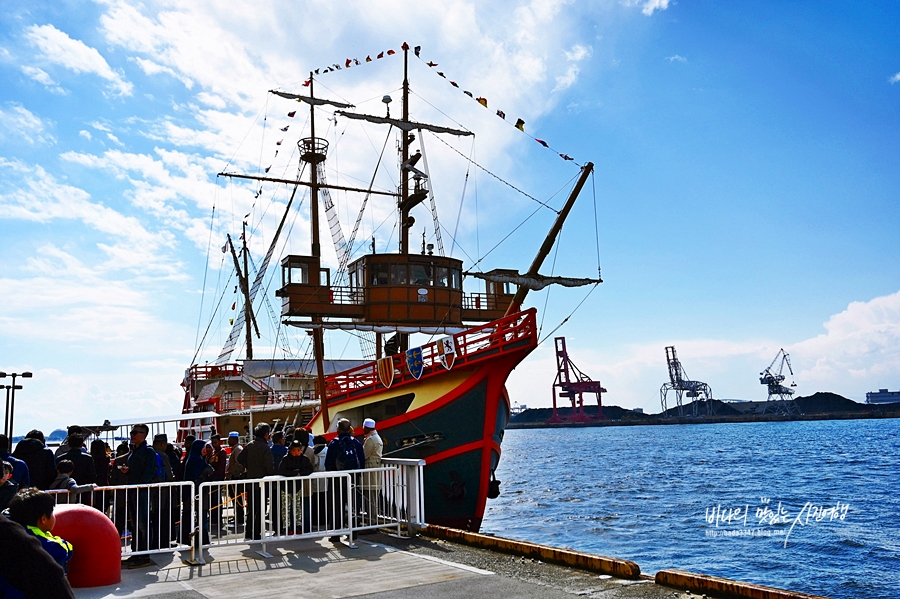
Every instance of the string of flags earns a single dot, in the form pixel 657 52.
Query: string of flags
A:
pixel 520 123
pixel 417 50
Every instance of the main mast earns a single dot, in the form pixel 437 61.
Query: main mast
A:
pixel 314 153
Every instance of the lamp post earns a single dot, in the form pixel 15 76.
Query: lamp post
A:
pixel 11 401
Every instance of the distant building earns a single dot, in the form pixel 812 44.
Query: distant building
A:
pixel 638 410
pixel 883 396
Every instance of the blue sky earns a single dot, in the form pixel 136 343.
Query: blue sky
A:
pixel 746 181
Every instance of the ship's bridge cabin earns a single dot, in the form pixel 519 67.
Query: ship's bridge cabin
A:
pixel 415 289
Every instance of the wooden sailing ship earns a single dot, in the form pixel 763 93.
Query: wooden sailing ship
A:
pixel 444 401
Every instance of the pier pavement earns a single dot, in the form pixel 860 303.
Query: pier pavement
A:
pixel 380 566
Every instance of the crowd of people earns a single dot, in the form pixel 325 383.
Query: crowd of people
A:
pixel 157 516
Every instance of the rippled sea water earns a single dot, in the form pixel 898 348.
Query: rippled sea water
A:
pixel 646 493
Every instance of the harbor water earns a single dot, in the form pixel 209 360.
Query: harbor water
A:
pixel 808 506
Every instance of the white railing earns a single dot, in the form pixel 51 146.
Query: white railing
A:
pixel 166 517
pixel 154 518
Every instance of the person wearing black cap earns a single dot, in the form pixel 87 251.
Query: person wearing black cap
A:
pixel 140 469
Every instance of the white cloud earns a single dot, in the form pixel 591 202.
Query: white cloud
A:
pixel 151 68
pixel 895 78
pixel 43 78
pixel 648 6
pixel 574 56
pixel 31 194
pixel 676 58
pixel 57 47
pixel 651 5
pixel 85 134
pixel 114 139
pixel 21 123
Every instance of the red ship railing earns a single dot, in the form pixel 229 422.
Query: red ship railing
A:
pixel 507 334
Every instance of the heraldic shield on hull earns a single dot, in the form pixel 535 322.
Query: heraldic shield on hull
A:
pixel 446 349
pixel 414 362
pixel 386 371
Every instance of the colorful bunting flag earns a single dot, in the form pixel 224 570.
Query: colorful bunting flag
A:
pixel 348 63
pixel 292 113
pixel 417 49
pixel 268 167
pixel 431 64
pixel 285 128
pixel 278 143
pixel 468 94
pixel 482 101
pixel 566 157
pixel 391 52
pixel 520 125
pixel 234 305
pixel 441 74
pixel 380 55
pixel 369 58
pixel 307 83
pixel 453 83
pixel 501 114
pixel 404 47
pixel 542 142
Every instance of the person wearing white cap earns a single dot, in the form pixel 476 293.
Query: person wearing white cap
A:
pixel 373 447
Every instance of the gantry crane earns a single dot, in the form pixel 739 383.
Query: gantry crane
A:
pixel 681 385
pixel 572 384
pixel 779 400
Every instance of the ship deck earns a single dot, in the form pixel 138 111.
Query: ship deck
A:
pixel 380 566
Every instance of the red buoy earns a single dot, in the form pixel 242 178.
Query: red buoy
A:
pixel 96 546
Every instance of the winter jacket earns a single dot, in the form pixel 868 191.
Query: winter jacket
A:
pixel 259 459
pixel 40 461
pixel 85 471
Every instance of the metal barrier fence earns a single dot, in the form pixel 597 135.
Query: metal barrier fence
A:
pixel 154 518
pixel 166 517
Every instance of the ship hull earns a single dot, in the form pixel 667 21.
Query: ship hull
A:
pixel 451 412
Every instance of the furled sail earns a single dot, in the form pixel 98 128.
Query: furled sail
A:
pixel 402 125
pixel 308 100
pixel 534 283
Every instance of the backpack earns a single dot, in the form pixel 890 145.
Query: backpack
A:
pixel 159 474
pixel 347 458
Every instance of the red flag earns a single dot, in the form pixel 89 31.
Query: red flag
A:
pixel 453 83
pixel 380 55
pixel 292 113
pixel 348 63
pixel 482 101
pixel 278 143
pixel 391 52
pixel 233 305
pixel 405 46
pixel 542 142
pixel 307 82
pixel 431 64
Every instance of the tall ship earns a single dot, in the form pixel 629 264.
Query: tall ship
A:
pixel 434 358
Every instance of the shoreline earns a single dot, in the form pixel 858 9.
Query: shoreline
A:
pixel 655 421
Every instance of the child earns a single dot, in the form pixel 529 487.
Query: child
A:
pixel 63 481
pixel 33 509
pixel 8 486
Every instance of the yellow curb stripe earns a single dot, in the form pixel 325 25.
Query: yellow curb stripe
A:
pixel 619 568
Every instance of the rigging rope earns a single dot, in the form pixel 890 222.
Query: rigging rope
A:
pixel 434 214
pixel 498 178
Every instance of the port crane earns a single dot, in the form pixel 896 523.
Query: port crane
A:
pixel 779 400
pixel 573 384
pixel 682 386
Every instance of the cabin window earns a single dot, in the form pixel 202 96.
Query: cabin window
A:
pixel 420 274
pixel 398 274
pixel 379 274
pixel 441 276
pixel 298 273
pixel 455 278
pixel 352 278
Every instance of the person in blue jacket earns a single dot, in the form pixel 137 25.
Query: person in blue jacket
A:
pixel 33 509
pixel 20 475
